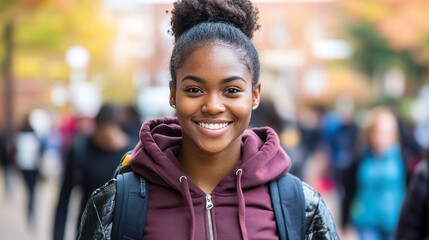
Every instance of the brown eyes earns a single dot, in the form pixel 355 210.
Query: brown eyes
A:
pixel 193 90
pixel 232 90
pixel 198 91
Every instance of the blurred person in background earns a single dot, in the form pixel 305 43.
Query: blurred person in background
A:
pixel 309 130
pixel 375 182
pixel 414 218
pixel 27 155
pixel 266 115
pixel 290 139
pixel 131 121
pixel 339 135
pixel 5 164
pixel 68 126
pixel 410 148
pixel 91 161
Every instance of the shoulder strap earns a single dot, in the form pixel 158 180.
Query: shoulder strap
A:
pixel 130 207
pixel 124 165
pixel 288 201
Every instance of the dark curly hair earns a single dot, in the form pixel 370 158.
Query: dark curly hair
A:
pixel 231 23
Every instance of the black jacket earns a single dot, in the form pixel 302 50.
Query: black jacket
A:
pixel 97 219
pixel 89 167
pixel 414 219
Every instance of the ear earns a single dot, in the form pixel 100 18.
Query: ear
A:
pixel 256 95
pixel 172 93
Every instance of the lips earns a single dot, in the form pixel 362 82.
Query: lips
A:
pixel 213 126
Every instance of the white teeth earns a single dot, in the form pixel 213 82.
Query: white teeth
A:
pixel 213 126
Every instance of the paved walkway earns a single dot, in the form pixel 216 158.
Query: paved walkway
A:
pixel 13 224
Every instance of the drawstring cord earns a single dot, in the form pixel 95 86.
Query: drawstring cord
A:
pixel 241 205
pixel 186 194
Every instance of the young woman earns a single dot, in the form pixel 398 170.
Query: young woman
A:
pixel 375 183
pixel 206 153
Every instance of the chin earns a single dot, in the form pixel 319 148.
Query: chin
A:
pixel 213 150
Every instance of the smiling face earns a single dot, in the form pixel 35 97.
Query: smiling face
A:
pixel 214 97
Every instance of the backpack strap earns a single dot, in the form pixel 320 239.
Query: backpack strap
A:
pixel 124 165
pixel 130 206
pixel 288 201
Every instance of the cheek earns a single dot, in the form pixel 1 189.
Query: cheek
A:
pixel 245 108
pixel 187 106
pixel 242 110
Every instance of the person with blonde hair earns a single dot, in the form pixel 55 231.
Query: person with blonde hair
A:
pixel 375 183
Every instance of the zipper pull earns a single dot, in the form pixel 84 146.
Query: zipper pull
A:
pixel 209 202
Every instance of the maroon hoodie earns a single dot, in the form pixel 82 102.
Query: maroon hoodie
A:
pixel 238 208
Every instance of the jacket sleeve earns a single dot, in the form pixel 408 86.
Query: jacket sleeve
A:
pixel 96 222
pixel 413 221
pixel 319 222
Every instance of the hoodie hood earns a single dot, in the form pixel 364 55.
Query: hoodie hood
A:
pixel 155 156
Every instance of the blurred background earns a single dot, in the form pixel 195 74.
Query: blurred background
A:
pixel 325 64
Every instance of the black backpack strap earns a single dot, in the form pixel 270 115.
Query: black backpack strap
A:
pixel 130 207
pixel 288 201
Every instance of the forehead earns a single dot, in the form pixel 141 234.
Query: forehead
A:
pixel 385 122
pixel 216 61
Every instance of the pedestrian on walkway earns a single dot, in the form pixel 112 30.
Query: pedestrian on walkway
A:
pixel 375 183
pixel 28 153
pixel 5 164
pixel 90 162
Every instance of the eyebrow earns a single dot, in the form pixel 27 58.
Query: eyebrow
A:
pixel 200 80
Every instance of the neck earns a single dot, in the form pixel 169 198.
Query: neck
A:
pixel 207 170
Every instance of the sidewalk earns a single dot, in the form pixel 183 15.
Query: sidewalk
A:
pixel 13 210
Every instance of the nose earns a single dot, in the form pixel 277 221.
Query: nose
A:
pixel 213 105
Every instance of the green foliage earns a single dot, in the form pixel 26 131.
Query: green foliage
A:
pixel 44 30
pixel 41 31
pixel 373 54
pixel 371 51
pixel 5 7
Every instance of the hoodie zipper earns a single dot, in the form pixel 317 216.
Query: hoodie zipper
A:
pixel 209 206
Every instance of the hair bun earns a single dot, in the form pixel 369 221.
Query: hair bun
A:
pixel 239 13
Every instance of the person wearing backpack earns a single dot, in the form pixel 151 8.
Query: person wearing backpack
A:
pixel 204 173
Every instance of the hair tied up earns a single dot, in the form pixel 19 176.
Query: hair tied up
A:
pixel 239 13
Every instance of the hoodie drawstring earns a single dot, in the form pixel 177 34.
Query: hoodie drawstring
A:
pixel 187 196
pixel 241 205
